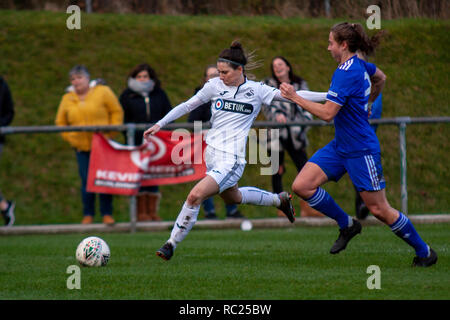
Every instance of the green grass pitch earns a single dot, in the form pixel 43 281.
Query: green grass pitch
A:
pixel 278 264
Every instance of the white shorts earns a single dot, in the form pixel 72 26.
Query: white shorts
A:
pixel 225 168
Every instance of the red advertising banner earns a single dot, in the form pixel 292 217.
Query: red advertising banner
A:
pixel 170 157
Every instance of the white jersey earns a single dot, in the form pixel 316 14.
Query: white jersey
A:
pixel 233 111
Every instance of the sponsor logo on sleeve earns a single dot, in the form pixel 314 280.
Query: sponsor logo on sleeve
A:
pixel 332 93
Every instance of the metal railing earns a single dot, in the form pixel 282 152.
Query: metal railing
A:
pixel 131 128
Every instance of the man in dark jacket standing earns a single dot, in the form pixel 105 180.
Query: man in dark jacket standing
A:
pixel 6 116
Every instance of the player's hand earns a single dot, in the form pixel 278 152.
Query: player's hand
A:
pixel 287 91
pixel 151 131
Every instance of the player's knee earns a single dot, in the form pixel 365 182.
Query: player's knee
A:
pixel 232 196
pixel 383 212
pixel 236 199
pixel 194 198
pixel 378 210
pixel 374 209
pixel 300 189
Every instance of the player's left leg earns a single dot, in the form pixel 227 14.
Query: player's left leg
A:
pixel 366 174
pixel 401 225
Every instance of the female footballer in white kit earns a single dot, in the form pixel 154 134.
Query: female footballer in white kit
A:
pixel 236 101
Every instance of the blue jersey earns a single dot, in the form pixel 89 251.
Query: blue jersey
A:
pixel 350 88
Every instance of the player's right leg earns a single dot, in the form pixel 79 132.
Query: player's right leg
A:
pixel 323 166
pixel 187 217
pixel 307 186
pixel 326 164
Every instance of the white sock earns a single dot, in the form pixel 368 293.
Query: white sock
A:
pixel 252 195
pixel 184 223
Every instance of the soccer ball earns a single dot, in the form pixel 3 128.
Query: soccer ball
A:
pixel 246 225
pixel 93 252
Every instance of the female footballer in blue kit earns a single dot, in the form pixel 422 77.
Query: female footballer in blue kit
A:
pixel 355 148
pixel 236 103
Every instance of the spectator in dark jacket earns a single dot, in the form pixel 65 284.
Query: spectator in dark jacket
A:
pixel 143 101
pixel 6 116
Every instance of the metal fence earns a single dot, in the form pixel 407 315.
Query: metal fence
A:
pixel 131 128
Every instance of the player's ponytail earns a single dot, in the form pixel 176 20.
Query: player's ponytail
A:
pixel 356 37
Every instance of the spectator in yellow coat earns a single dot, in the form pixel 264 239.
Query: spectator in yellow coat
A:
pixel 88 103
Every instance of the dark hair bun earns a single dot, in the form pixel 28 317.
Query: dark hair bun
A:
pixel 235 53
pixel 236 45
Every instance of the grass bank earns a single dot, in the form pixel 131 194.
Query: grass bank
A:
pixel 37 50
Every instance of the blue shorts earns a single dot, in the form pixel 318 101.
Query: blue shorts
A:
pixel 365 171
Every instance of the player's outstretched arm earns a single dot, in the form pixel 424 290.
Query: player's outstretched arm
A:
pixel 309 95
pixel 177 112
pixel 325 111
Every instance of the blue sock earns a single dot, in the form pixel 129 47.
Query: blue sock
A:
pixel 324 203
pixel 405 230
pixel 231 208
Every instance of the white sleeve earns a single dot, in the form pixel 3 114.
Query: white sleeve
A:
pixel 207 91
pixel 267 93
pixel 180 110
pixel 306 94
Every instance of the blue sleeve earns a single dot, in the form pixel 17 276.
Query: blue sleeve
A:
pixel 340 88
pixel 371 68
